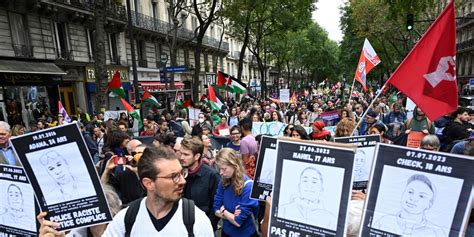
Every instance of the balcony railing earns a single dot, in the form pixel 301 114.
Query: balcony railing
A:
pixel 113 10
pixel 22 50
pixel 468 44
pixel 146 22
pixel 464 19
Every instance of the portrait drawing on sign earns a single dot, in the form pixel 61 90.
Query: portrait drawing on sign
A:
pixel 14 213
pixel 360 171
pixel 307 205
pixel 65 185
pixel 417 198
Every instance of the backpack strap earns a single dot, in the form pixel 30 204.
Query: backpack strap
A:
pixel 188 215
pixel 131 215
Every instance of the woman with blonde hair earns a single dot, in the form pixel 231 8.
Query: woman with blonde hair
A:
pixel 345 128
pixel 232 201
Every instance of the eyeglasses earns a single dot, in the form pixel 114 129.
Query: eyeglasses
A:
pixel 235 134
pixel 176 176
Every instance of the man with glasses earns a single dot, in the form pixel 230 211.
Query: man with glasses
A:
pixel 234 139
pixel 160 212
pixel 202 180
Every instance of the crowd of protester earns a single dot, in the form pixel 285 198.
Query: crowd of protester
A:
pixel 212 160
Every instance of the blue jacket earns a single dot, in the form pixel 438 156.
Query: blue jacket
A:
pixel 226 196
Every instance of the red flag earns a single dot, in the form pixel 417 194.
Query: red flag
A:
pixel 427 75
pixel 187 103
pixel 368 60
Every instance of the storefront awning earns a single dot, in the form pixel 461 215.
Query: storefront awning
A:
pixel 158 86
pixel 28 67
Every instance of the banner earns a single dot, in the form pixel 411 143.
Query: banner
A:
pixel 273 129
pixel 18 207
pixel 64 179
pixel 113 114
pixel 284 96
pixel 416 192
pixel 312 190
pixel 363 158
pixel 330 118
pixel 265 172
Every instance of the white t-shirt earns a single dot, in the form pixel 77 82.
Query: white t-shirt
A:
pixel 143 225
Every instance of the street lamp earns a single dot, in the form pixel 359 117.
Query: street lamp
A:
pixel 164 60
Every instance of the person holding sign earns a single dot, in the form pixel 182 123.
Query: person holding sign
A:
pixel 232 201
pixel 222 129
pixel 417 198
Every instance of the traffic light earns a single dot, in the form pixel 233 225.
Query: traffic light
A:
pixel 410 22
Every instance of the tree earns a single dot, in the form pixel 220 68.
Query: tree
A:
pixel 100 67
pixel 206 13
pixel 178 11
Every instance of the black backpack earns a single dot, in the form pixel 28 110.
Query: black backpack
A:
pixel 177 128
pixel 188 216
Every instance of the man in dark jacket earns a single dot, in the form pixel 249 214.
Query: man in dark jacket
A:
pixel 459 129
pixel 202 180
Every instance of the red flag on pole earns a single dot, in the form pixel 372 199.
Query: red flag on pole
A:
pixel 368 60
pixel 427 75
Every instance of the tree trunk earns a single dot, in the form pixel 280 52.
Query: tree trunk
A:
pixel 197 70
pixel 240 65
pixel 100 68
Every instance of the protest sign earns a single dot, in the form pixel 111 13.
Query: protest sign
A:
pixel 193 115
pixel 284 95
pixel 414 139
pixel 363 157
pixel 17 203
pixel 312 190
pixel 330 118
pixel 265 172
pixel 64 179
pixel 416 192
pixel 113 114
pixel 271 128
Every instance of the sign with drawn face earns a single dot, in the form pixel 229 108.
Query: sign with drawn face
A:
pixel 312 190
pixel 62 174
pixel 265 171
pixel 18 207
pixel 363 157
pixel 416 192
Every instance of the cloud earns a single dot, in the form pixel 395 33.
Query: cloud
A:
pixel 327 16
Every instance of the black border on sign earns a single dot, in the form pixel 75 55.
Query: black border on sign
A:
pixel 387 155
pixel 283 150
pixel 71 131
pixel 258 188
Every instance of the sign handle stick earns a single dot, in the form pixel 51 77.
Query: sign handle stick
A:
pixel 367 110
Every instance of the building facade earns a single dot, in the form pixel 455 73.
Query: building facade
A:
pixel 465 46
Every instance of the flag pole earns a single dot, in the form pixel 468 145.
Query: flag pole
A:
pixel 352 89
pixel 367 110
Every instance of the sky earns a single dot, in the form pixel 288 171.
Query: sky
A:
pixel 327 15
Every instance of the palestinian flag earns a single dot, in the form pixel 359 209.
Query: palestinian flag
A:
pixel 187 103
pixel 133 113
pixel 115 86
pixel 214 99
pixel 223 80
pixel 150 99
pixel 238 87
